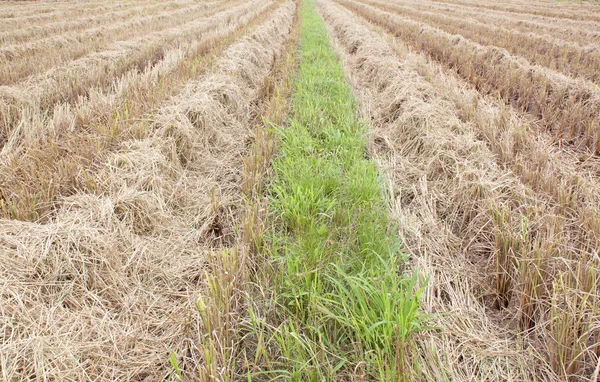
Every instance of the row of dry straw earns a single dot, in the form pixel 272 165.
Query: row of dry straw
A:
pixel 506 262
pixel 107 288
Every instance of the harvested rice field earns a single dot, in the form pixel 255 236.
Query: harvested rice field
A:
pixel 300 190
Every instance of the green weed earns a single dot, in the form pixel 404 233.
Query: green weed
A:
pixel 342 305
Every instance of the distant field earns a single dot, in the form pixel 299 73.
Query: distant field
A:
pixel 341 190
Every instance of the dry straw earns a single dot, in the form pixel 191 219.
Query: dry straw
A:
pixel 488 238
pixel 107 288
pixel 578 32
pixel 95 123
pixel 567 107
pixel 566 57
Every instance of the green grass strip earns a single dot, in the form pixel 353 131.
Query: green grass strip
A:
pixel 344 306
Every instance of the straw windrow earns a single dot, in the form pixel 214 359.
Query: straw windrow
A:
pixel 107 288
